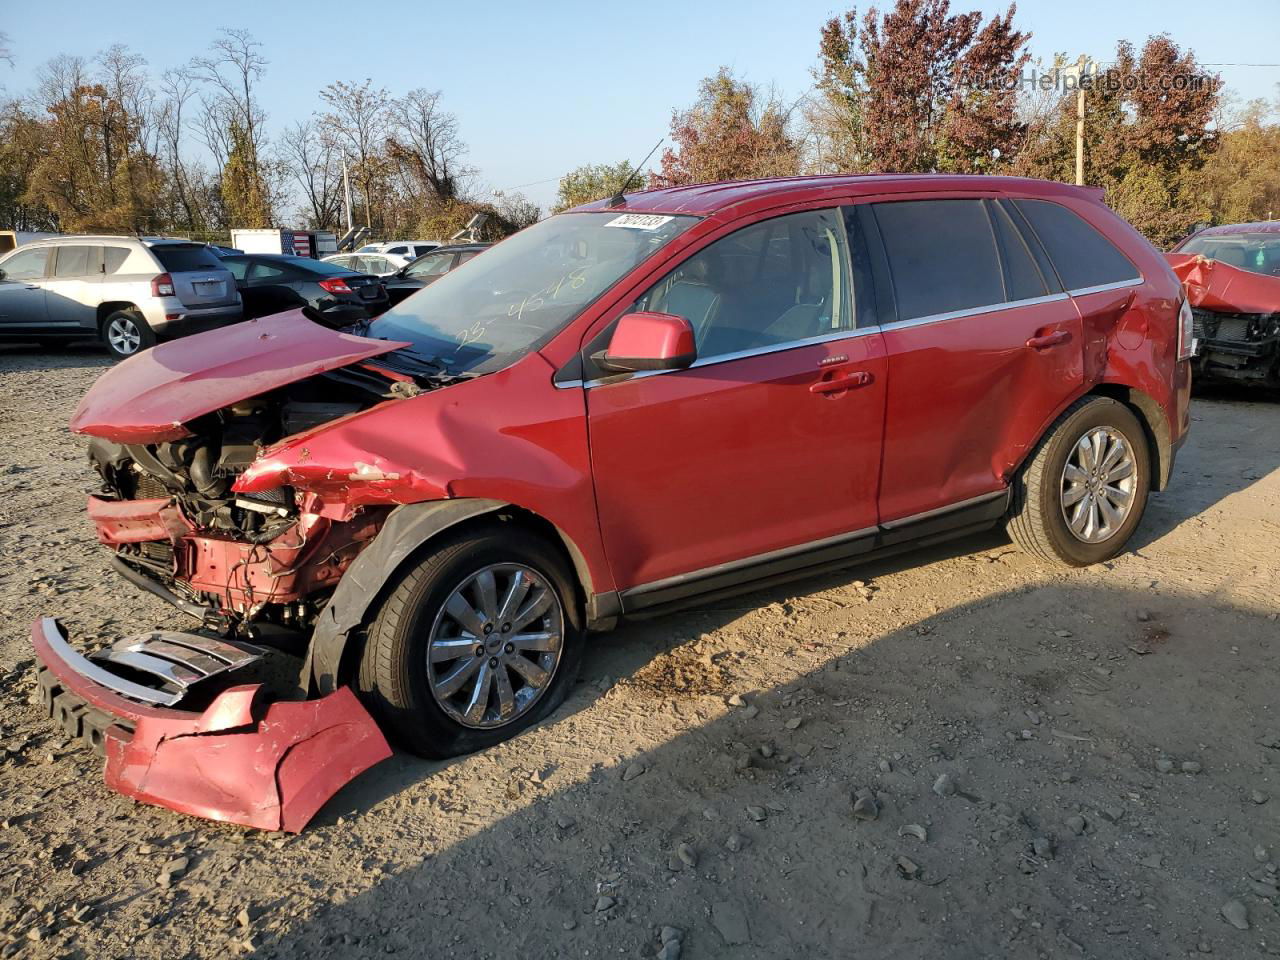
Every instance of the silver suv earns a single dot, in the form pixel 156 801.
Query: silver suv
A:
pixel 128 291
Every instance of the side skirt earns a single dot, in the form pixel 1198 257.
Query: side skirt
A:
pixel 792 563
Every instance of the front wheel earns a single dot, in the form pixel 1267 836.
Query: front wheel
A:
pixel 1084 489
pixel 477 642
pixel 126 332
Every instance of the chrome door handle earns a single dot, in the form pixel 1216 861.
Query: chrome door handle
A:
pixel 1049 339
pixel 839 384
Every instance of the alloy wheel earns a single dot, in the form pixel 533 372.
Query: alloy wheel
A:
pixel 495 645
pixel 1099 481
pixel 123 335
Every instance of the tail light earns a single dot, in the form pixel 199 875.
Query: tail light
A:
pixel 1186 332
pixel 335 285
pixel 162 286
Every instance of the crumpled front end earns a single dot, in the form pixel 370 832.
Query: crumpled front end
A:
pixel 1236 319
pixel 233 755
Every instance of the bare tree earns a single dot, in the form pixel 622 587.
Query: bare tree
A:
pixel 357 121
pixel 234 66
pixel 232 122
pixel 6 52
pixel 177 88
pixel 424 142
pixel 315 163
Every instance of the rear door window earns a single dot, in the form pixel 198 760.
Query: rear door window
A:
pixel 181 257
pixel 76 260
pixel 942 256
pixel 1022 278
pixel 1082 256
pixel 27 265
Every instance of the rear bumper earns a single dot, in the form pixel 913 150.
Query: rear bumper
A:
pixel 172 319
pixel 240 760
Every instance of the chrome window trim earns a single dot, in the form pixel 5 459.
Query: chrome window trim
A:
pixel 1101 287
pixel 859 332
pixel 974 311
pixel 726 357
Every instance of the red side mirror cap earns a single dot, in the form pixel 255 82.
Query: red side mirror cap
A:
pixel 650 341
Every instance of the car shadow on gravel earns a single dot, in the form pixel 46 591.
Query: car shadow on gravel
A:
pixel 629 652
pixel 1046 708
pixel 75 354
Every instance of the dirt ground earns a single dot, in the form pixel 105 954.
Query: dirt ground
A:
pixel 1108 743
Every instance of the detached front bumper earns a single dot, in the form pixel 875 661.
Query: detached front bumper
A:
pixel 241 759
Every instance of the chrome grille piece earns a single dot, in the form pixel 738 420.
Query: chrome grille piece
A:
pixel 173 662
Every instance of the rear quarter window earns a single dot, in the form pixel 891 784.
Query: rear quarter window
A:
pixel 113 258
pixel 179 258
pixel 942 256
pixel 1082 256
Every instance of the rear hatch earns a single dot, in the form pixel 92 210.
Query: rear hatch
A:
pixel 199 278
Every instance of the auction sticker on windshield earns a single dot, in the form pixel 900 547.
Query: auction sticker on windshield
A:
pixel 639 221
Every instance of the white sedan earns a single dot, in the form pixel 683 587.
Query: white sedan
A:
pixel 377 264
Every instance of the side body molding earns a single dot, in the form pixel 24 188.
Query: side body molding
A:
pixel 406 529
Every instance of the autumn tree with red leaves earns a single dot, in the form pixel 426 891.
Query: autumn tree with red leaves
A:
pixel 918 89
pixel 733 132
pixel 1148 132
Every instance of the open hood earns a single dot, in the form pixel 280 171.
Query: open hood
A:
pixel 148 398
pixel 1220 287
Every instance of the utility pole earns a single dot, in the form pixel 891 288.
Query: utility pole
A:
pixel 1080 123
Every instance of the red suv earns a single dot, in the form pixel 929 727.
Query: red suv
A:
pixel 632 406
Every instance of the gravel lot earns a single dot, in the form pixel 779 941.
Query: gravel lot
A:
pixel 1059 764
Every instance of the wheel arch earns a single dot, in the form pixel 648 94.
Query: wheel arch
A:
pixel 334 652
pixel 1154 423
pixel 108 307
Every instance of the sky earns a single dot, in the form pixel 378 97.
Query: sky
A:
pixel 540 88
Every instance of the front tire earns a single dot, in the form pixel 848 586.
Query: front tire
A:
pixel 1083 491
pixel 477 642
pixel 126 332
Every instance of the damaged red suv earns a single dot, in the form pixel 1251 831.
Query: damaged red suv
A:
pixel 626 408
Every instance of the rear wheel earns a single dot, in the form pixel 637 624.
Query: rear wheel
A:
pixel 1083 492
pixel 477 642
pixel 126 332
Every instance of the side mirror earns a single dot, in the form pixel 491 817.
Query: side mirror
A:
pixel 649 341
pixel 1 274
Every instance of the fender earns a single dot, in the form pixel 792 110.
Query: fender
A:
pixel 406 529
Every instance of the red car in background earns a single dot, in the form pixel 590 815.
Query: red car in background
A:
pixel 625 408
pixel 1232 278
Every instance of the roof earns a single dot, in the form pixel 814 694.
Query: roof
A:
pixel 708 198
pixel 99 237
pixel 1260 226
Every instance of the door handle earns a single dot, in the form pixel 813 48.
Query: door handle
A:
pixel 839 384
pixel 1049 339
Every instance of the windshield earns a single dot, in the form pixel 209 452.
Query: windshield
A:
pixel 1258 252
pixel 496 308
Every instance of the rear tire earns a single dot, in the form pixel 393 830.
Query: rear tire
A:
pixel 415 646
pixel 1083 491
pixel 126 333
